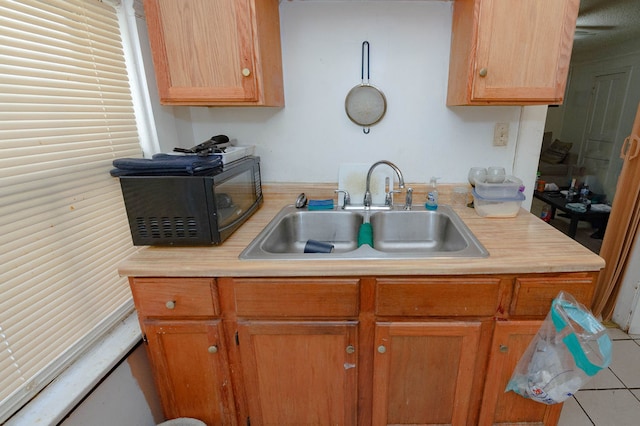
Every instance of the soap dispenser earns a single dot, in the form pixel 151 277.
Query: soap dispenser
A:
pixel 432 195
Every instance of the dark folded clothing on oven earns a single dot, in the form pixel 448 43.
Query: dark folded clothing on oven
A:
pixel 167 165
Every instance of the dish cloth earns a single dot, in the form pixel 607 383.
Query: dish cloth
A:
pixel 600 208
pixel 577 207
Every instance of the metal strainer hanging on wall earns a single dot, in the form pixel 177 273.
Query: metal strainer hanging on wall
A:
pixel 365 104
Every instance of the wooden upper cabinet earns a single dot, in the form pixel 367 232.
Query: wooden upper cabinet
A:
pixel 223 52
pixel 506 52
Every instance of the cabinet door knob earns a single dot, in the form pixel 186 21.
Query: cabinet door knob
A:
pixel 483 72
pixel 504 348
pixel 246 72
pixel 213 349
pixel 350 349
pixel 382 349
pixel 171 304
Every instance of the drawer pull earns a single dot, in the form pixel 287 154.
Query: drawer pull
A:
pixel 483 72
pixel 171 304
pixel 213 349
pixel 382 349
pixel 350 349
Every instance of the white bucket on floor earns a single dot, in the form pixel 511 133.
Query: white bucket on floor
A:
pixel 183 421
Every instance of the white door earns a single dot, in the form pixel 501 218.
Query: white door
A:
pixel 601 145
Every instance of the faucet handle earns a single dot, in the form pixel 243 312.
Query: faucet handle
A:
pixel 346 200
pixel 388 199
pixel 408 199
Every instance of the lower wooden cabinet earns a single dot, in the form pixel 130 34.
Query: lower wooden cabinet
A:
pixel 300 373
pixel 190 364
pixel 510 341
pixel 423 372
pixel 347 350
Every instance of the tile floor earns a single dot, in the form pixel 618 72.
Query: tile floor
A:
pixel 612 397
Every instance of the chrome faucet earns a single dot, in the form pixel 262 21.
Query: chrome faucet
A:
pixel 367 191
pixel 346 200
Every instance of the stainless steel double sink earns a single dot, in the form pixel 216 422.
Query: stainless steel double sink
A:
pixel 397 234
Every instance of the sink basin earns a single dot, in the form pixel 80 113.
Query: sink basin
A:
pixel 293 229
pixel 416 231
pixel 397 234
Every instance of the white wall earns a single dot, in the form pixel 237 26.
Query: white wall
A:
pixel 311 136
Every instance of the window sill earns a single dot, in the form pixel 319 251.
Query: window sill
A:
pixel 58 399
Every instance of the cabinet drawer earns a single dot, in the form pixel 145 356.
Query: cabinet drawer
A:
pixel 438 296
pixel 533 296
pixel 179 297
pixel 313 297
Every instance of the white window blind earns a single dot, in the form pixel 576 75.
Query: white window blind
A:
pixel 65 113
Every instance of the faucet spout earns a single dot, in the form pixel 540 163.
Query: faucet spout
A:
pixel 367 191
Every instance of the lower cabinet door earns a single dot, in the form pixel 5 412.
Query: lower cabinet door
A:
pixel 191 368
pixel 300 373
pixel 424 372
pixel 510 341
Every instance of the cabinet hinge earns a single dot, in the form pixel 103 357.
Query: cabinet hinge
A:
pixel 237 339
pixel 144 339
pixel 248 421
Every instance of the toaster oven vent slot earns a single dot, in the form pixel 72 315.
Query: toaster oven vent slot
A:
pixel 185 227
pixel 167 227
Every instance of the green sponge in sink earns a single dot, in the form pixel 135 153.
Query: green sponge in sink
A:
pixel 365 234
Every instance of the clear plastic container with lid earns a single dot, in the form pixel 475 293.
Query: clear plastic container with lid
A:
pixel 510 187
pixel 497 207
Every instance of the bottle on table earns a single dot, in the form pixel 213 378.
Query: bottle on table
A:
pixel 584 194
pixel 572 192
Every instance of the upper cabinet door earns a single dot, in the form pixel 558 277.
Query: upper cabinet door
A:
pixel 507 52
pixel 223 52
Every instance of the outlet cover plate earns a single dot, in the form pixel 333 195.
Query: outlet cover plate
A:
pixel 501 134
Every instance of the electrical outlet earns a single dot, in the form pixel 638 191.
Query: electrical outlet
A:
pixel 501 134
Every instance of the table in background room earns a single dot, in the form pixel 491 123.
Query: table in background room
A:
pixel 557 201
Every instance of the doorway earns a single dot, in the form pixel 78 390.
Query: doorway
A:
pixel 596 116
pixel 598 159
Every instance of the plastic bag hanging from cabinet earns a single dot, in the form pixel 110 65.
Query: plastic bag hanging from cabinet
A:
pixel 569 349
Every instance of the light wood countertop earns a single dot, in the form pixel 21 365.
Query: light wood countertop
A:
pixel 523 244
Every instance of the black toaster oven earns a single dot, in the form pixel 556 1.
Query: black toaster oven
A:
pixel 192 210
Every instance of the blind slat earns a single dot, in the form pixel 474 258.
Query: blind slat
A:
pixel 66 112
pixel 48 280
pixel 83 310
pixel 19 394
pixel 56 228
